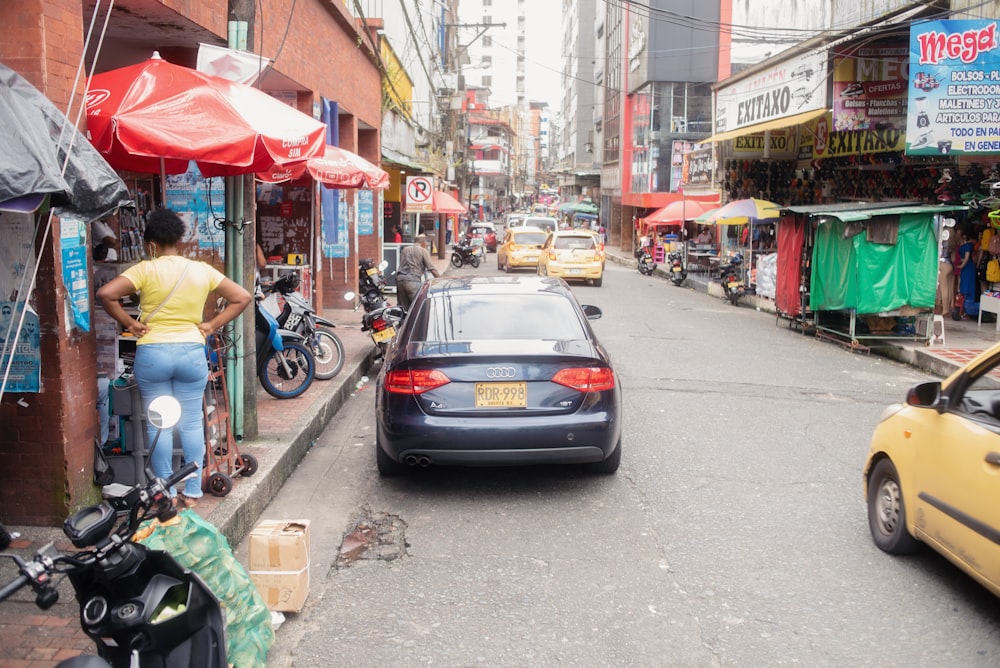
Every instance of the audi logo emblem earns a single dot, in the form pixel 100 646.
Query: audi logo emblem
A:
pixel 500 372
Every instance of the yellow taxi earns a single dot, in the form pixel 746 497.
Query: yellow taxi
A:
pixel 572 255
pixel 932 475
pixel 520 248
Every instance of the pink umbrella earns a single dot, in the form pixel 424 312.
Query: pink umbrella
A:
pixel 445 203
pixel 679 211
pixel 336 167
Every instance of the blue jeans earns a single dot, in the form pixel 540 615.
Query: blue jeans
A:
pixel 180 370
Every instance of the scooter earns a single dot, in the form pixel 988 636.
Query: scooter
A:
pixel 285 366
pixel 139 606
pixel 733 287
pixel 678 274
pixel 299 316
pixel 646 266
pixel 464 253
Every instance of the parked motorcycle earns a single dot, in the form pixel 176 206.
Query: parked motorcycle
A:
pixel 299 316
pixel 678 274
pixel 464 253
pixel 380 319
pixel 733 287
pixel 138 605
pixel 285 366
pixel 646 266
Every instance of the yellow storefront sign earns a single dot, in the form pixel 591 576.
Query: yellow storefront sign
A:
pixel 827 143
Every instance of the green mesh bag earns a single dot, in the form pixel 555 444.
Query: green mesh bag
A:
pixel 198 546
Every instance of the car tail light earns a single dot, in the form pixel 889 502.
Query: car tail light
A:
pixel 553 255
pixel 415 381
pixel 586 379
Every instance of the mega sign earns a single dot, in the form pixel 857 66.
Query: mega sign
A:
pixel 954 88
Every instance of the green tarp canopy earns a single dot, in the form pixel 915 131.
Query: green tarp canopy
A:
pixel 872 276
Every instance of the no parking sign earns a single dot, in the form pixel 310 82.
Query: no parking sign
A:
pixel 419 194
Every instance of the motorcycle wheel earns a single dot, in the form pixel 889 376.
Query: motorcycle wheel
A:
pixel 283 383
pixel 328 352
pixel 474 262
pixel 456 260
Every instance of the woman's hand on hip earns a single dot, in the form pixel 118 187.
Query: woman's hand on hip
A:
pixel 137 329
pixel 206 329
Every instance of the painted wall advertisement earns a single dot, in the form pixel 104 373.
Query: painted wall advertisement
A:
pixel 366 211
pixel 199 202
pixel 75 275
pixel 954 88
pixel 869 86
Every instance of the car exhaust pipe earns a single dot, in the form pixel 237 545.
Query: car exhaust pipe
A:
pixel 424 461
pixel 410 460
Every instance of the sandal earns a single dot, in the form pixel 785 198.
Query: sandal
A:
pixel 184 501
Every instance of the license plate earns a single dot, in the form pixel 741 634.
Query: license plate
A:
pixel 530 258
pixel 734 284
pixel 372 271
pixel 574 271
pixel 384 335
pixel 678 269
pixel 501 395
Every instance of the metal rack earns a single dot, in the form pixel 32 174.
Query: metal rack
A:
pixel 223 460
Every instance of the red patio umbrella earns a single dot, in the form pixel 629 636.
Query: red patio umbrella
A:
pixel 156 116
pixel 445 203
pixel 679 211
pixel 336 167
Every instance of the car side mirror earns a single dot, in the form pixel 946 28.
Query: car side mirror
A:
pixel 924 395
pixel 592 312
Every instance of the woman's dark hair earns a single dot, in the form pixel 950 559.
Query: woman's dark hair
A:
pixel 164 228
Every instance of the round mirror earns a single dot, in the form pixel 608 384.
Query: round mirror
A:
pixel 164 412
pixel 349 296
pixel 945 235
pixel 383 265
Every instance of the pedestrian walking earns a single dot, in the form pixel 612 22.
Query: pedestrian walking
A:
pixel 414 262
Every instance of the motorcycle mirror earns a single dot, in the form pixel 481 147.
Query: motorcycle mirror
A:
pixel 349 296
pixel 383 265
pixel 164 412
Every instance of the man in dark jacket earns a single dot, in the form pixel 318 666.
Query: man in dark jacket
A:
pixel 414 261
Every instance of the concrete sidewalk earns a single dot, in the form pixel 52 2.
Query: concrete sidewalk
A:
pixel 30 637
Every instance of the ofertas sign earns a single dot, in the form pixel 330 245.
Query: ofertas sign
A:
pixel 954 88
pixel 419 194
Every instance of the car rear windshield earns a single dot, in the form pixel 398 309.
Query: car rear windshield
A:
pixel 528 238
pixel 544 223
pixel 460 317
pixel 573 243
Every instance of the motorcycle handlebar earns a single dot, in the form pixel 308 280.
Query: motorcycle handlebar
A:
pixel 179 475
pixel 13 586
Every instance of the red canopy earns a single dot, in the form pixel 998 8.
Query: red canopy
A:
pixel 336 168
pixel 156 116
pixel 445 203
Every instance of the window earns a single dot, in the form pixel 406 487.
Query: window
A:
pixel 487 41
pixel 487 81
pixel 459 317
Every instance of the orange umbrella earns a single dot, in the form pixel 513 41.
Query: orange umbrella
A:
pixel 445 203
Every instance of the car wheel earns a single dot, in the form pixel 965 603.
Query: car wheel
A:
pixel 599 281
pixel 387 466
pixel 887 512
pixel 609 465
pixel 506 266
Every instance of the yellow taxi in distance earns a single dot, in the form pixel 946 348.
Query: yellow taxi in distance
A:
pixel 933 471
pixel 572 255
pixel 520 248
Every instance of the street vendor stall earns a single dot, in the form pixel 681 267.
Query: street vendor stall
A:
pixel 860 272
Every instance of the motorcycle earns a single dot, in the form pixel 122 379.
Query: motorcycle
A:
pixel 380 318
pixel 733 287
pixel 298 316
pixel 678 274
pixel 285 366
pixel 464 253
pixel 139 606
pixel 646 266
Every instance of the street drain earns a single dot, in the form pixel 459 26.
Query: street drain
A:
pixel 373 536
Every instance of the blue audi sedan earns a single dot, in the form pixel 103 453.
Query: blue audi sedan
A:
pixel 497 371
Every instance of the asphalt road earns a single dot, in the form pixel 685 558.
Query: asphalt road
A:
pixel 734 534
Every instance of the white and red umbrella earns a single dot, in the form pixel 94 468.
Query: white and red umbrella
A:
pixel 155 116
pixel 335 167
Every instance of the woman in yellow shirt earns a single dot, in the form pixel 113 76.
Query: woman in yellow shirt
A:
pixel 170 334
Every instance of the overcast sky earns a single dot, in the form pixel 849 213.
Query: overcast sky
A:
pixel 543 66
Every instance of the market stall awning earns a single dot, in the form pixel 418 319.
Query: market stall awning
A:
pixel 776 124
pixel 853 212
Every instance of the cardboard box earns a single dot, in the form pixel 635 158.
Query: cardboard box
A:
pixel 279 563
